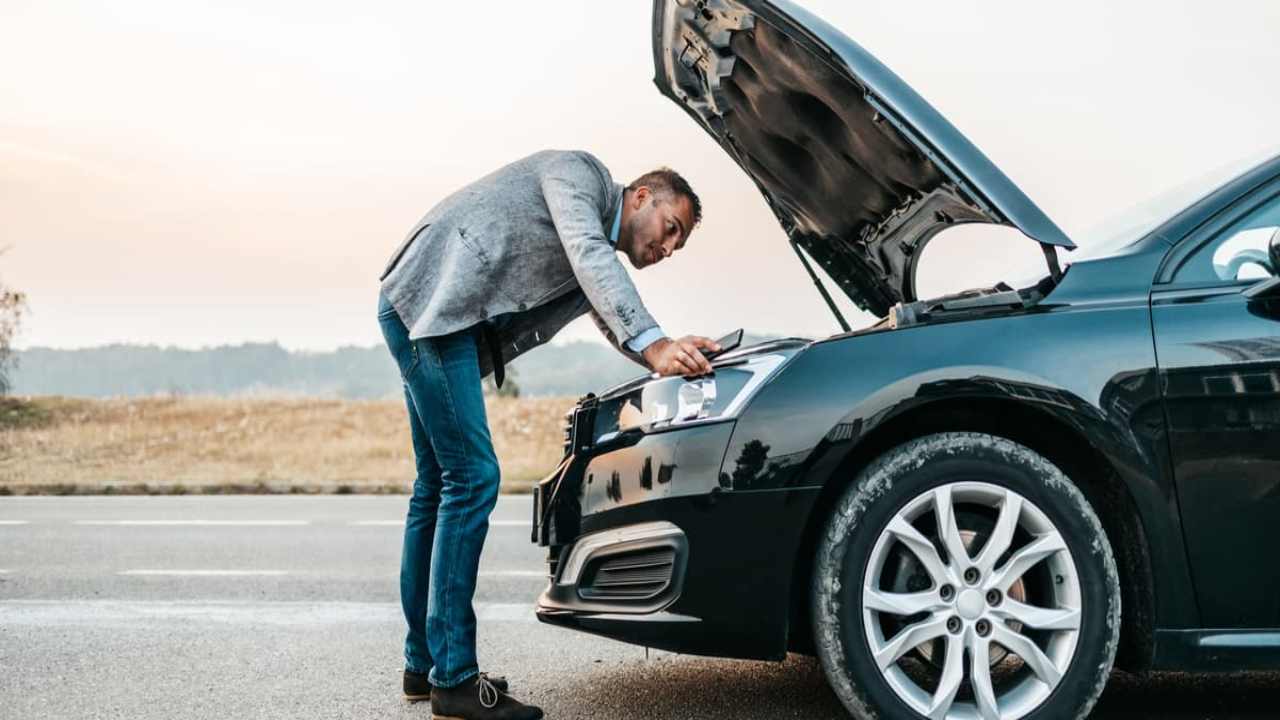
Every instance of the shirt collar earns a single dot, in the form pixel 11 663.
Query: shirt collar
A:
pixel 617 222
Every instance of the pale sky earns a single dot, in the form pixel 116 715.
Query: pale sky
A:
pixel 199 173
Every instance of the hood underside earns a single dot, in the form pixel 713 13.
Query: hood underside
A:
pixel 859 170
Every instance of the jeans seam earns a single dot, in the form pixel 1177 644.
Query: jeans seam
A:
pixel 383 319
pixel 421 485
pixel 454 541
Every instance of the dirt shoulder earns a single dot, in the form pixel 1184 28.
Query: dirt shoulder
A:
pixel 180 445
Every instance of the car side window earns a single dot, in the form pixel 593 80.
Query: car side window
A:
pixel 1238 253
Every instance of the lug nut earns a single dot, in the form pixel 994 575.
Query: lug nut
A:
pixel 983 628
pixel 947 592
pixel 993 597
pixel 953 625
pixel 971 576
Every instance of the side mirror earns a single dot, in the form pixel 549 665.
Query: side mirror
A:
pixel 1269 288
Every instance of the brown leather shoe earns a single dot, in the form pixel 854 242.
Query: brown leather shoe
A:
pixel 418 687
pixel 479 699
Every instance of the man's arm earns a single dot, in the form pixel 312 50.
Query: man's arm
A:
pixel 575 194
pixel 645 339
pixel 626 348
pixel 660 353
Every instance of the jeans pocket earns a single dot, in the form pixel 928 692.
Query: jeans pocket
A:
pixel 413 357
pixel 404 351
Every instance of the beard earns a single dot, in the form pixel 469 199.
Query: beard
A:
pixel 636 252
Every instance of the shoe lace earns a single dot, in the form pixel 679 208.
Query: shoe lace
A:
pixel 488 693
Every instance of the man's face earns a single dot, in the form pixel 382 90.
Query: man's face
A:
pixel 654 225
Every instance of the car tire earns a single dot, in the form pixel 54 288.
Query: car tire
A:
pixel 872 565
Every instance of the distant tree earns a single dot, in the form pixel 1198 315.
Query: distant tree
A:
pixel 12 305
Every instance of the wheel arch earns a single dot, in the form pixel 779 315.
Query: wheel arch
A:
pixel 1042 432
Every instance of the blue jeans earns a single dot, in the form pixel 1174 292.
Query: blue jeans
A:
pixel 455 490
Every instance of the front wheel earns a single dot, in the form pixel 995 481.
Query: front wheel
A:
pixel 963 575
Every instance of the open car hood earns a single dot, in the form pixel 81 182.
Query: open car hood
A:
pixel 859 169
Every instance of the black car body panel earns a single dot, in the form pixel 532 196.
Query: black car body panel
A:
pixel 735 600
pixel 1219 356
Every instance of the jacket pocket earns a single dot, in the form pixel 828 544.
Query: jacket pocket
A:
pixel 555 292
pixel 473 247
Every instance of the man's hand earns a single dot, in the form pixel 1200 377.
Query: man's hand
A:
pixel 680 357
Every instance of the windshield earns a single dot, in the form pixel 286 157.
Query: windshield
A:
pixel 1131 225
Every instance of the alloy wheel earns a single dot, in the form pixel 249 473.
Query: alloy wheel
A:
pixel 997 630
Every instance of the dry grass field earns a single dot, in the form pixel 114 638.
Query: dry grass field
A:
pixel 214 445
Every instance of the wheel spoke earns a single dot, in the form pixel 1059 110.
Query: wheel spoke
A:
pixel 921 548
pixel 1041 618
pixel 1023 560
pixel 980 676
pixel 1030 653
pixel 1020 539
pixel 908 638
pixel 900 603
pixel 949 682
pixel 1001 535
pixel 944 511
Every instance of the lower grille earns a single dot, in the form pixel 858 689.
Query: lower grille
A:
pixel 637 575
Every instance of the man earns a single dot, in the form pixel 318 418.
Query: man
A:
pixel 493 270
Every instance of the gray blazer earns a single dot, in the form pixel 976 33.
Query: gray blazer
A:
pixel 529 238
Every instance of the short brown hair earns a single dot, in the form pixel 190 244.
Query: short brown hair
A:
pixel 668 181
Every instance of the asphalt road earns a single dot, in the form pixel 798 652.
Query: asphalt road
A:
pixel 282 607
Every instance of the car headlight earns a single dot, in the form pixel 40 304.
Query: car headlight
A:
pixel 668 401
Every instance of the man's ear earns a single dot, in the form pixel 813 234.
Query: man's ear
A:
pixel 639 196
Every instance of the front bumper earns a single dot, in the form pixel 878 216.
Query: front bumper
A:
pixel 620 582
pixel 635 569
pixel 648 544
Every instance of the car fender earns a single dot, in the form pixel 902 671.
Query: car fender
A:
pixel 1090 373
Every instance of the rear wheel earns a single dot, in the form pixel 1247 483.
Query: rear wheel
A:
pixel 963 575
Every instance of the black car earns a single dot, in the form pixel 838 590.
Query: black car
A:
pixel 977 507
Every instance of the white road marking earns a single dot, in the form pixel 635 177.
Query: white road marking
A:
pixel 5 572
pixel 502 497
pixel 269 573
pixel 15 522
pixel 208 573
pixel 148 613
pixel 513 612
pixel 228 523
pixel 400 523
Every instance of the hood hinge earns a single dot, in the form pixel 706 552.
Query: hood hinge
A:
pixel 1051 255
